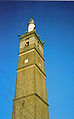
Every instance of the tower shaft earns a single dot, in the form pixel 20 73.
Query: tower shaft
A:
pixel 30 94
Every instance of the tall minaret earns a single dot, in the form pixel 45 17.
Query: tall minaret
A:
pixel 30 100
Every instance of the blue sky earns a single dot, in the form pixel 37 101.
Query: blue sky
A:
pixel 55 25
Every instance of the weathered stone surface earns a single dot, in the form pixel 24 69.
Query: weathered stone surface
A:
pixel 30 94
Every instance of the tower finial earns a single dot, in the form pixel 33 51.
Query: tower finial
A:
pixel 31 20
pixel 31 25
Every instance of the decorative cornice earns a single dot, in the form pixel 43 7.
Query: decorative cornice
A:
pixel 32 95
pixel 31 49
pixel 38 37
pixel 27 34
pixel 39 53
pixel 31 65
pixel 41 99
pixel 40 69
pixel 23 97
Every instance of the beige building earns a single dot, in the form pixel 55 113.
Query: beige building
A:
pixel 30 94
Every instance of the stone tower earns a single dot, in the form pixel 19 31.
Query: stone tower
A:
pixel 30 94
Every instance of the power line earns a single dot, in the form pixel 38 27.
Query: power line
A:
pixel 4 97
pixel 30 112
pixel 7 100
pixel 6 88
pixel 7 77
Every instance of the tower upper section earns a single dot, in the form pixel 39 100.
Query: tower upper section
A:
pixel 31 25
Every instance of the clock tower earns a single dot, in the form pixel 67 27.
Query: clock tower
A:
pixel 30 100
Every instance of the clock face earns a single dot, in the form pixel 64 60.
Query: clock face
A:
pixel 26 61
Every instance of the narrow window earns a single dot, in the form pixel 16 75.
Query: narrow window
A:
pixel 38 46
pixel 23 103
pixel 27 43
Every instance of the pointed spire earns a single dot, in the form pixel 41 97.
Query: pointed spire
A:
pixel 31 25
pixel 31 21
